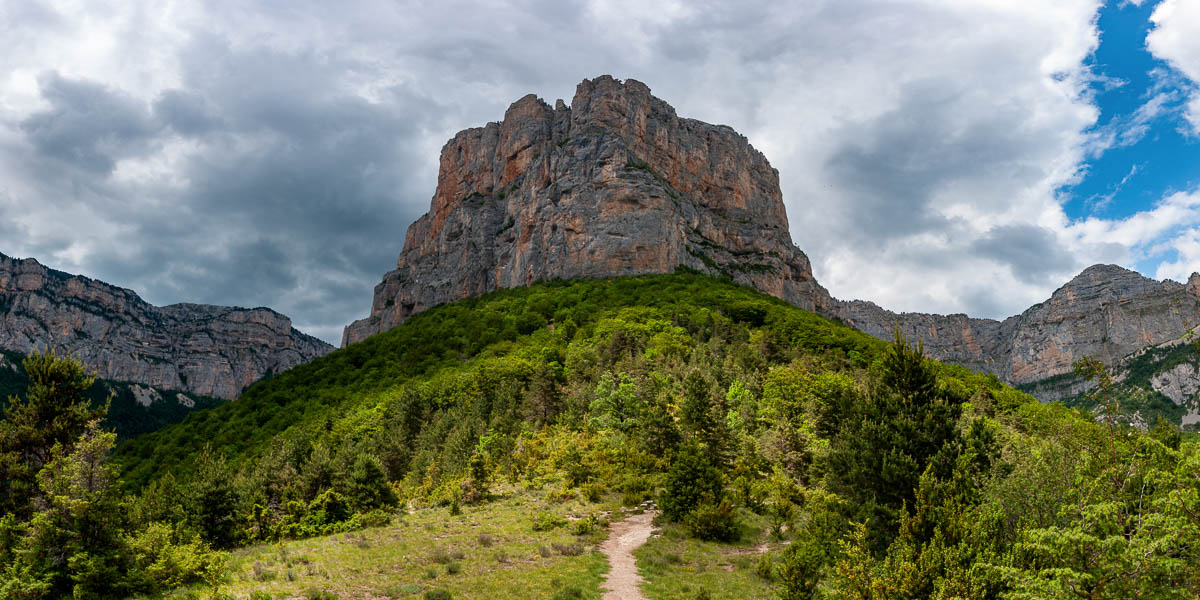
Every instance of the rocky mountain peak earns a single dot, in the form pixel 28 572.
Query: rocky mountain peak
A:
pixel 1106 312
pixel 614 184
pixel 198 348
pixel 1103 284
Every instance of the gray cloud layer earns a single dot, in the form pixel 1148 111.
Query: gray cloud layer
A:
pixel 268 153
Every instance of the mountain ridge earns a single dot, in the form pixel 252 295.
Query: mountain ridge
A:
pixel 201 349
pixel 1106 312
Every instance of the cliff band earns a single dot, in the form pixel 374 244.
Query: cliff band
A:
pixel 1106 312
pixel 208 350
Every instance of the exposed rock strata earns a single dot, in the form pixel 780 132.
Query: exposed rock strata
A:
pixel 616 184
pixel 207 350
pixel 1181 384
pixel 1106 312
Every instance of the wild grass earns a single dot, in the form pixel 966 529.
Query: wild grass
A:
pixel 676 566
pixel 489 552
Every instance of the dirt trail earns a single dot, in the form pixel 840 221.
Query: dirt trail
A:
pixel 624 537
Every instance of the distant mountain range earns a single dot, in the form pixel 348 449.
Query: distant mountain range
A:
pixel 200 350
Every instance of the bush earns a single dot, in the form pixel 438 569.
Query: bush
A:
pixel 713 522
pixel 546 521
pixel 692 479
pixel 325 513
pixel 368 486
pixel 765 567
pixel 374 518
pixel 158 564
pixel 801 568
pixel 592 491
pixel 587 525
pixel 635 490
pixel 437 595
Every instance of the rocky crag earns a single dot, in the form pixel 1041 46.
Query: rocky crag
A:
pixel 1106 312
pixel 200 349
pixel 1139 327
pixel 615 184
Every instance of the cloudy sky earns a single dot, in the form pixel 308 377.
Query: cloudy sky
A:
pixel 941 156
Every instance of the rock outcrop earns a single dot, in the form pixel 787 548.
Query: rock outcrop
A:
pixel 207 350
pixel 1106 312
pixel 1180 384
pixel 615 184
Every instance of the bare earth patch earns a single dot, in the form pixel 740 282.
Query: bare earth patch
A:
pixel 623 581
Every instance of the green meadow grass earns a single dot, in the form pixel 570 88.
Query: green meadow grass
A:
pixel 678 567
pixel 492 552
pixel 487 552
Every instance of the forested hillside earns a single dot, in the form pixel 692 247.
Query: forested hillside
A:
pixel 133 408
pixel 880 473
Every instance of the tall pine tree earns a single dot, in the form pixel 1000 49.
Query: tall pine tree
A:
pixel 909 424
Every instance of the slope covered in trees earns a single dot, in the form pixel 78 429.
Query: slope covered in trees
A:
pixel 133 408
pixel 892 476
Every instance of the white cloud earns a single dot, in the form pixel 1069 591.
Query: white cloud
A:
pixel 1149 234
pixel 1187 248
pixel 1176 39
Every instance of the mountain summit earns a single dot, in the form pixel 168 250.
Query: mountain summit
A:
pixel 1105 312
pixel 615 184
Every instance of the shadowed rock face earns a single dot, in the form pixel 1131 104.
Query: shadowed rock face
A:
pixel 616 184
pixel 1106 312
pixel 208 350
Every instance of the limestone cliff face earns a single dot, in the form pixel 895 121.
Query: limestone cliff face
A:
pixel 1105 312
pixel 208 350
pixel 615 184
pixel 978 344
pixel 1181 384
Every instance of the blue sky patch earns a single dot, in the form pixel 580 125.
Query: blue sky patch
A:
pixel 1147 150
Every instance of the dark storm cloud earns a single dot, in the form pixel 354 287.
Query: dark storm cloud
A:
pixel 87 124
pixel 185 112
pixel 299 193
pixel 297 189
pixel 1032 253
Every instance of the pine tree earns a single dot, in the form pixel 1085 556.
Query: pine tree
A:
pixel 368 487
pixel 691 481
pixel 54 412
pixel 213 500
pixel 886 444
pixel 73 544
